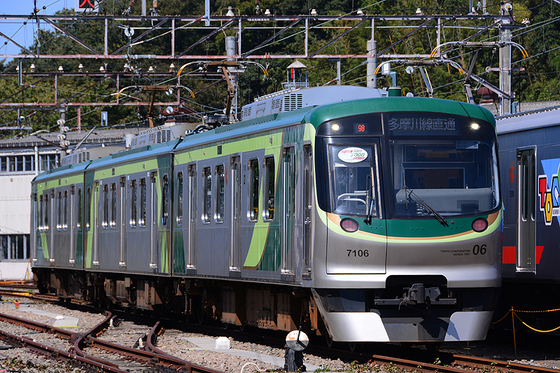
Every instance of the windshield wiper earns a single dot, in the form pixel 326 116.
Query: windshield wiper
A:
pixel 369 195
pixel 427 207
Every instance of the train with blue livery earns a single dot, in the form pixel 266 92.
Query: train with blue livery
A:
pixel 345 211
pixel 530 162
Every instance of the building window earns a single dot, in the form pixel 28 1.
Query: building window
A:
pixel 220 195
pixel 269 188
pixel 14 246
pixel 207 207
pixel 253 189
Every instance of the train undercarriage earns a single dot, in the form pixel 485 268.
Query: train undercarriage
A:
pixel 196 300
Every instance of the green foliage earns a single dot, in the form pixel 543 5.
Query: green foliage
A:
pixel 538 80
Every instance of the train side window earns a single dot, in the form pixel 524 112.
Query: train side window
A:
pixel 79 222
pixel 207 207
pixel 269 188
pixel 133 204
pixel 65 211
pixel 113 220
pixel 88 209
pixel 180 191
pixel 165 204
pixel 105 222
pixel 253 212
pixel 142 221
pixel 58 204
pixel 220 196
pixel 192 193
pixel 39 214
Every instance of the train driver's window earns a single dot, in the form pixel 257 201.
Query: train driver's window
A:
pixel 353 180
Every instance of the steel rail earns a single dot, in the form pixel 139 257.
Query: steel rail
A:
pixel 50 351
pixel 510 367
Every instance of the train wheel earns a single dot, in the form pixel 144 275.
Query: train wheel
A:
pixel 328 340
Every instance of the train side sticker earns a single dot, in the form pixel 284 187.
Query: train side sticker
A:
pixel 549 190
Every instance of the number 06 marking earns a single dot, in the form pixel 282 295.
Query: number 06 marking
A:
pixel 479 249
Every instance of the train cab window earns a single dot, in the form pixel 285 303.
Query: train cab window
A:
pixel 207 202
pixel 269 188
pixel 180 192
pixel 133 204
pixel 450 177
pixel 105 221
pixel 220 193
pixel 113 219
pixel 143 203
pixel 354 180
pixel 253 212
pixel 80 217
pixel 165 201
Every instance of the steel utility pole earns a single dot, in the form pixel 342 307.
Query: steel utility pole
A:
pixel 505 59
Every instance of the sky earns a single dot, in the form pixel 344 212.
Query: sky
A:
pixel 14 28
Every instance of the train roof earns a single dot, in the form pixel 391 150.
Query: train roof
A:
pixel 528 120
pixel 400 104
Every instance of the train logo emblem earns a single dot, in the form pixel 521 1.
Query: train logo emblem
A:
pixel 352 155
pixel 549 196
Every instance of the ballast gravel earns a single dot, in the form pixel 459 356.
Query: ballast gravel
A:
pixel 178 343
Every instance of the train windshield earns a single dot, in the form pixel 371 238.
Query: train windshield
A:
pixel 449 170
pixel 354 179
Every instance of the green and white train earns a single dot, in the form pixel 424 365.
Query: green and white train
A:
pixel 361 219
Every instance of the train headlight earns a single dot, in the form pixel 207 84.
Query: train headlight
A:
pixel 336 128
pixel 479 225
pixel 475 126
pixel 349 225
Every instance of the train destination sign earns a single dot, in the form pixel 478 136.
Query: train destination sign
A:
pixel 422 125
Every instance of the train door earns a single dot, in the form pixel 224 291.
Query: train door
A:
pixel 191 240
pixel 307 207
pixel 235 239
pixel 526 207
pixel 95 220
pixel 152 192
pixel 122 208
pixel 288 209
pixel 52 229
pixel 71 258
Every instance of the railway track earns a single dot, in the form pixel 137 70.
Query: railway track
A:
pixel 90 340
pixel 142 348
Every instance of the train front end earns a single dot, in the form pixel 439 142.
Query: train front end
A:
pixel 408 234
